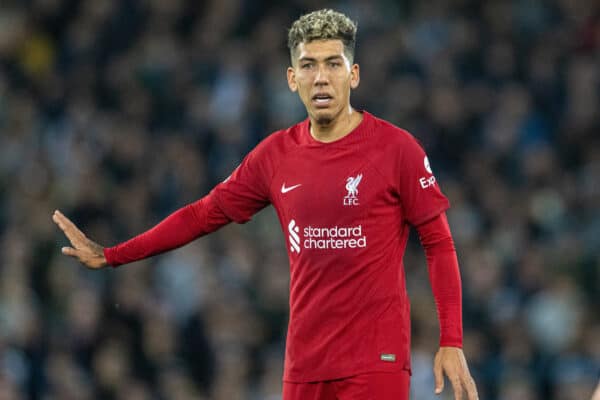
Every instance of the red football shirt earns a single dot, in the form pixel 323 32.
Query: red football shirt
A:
pixel 345 208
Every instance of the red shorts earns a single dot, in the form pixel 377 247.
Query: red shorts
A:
pixel 371 386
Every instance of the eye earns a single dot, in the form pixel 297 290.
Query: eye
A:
pixel 335 64
pixel 306 66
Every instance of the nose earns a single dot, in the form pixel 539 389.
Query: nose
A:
pixel 322 77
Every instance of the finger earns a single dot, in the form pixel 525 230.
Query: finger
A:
pixel 458 390
pixel 68 227
pixel 471 389
pixel 82 257
pixel 66 222
pixel 439 377
pixel 69 251
pixel 75 238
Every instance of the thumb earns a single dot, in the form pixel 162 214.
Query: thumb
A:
pixel 69 251
pixel 439 377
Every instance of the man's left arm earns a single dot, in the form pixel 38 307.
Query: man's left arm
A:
pixel 445 281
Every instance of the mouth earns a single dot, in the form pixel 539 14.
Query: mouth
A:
pixel 322 99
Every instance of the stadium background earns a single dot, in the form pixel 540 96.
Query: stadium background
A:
pixel 118 112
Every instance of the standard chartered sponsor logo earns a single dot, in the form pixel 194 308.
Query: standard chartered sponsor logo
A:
pixel 336 237
pixel 293 237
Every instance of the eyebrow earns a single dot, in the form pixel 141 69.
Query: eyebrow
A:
pixel 335 57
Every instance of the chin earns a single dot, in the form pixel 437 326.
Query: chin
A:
pixel 324 120
pixel 323 117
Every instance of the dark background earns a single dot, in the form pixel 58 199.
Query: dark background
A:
pixel 119 112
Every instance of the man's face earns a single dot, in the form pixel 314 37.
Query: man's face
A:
pixel 323 77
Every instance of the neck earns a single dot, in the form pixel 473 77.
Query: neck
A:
pixel 342 125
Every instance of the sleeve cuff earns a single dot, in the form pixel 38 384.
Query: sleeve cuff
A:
pixel 110 257
pixel 451 343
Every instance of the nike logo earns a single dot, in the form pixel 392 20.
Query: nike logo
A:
pixel 289 189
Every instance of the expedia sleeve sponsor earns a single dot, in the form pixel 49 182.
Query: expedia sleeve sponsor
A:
pixel 420 195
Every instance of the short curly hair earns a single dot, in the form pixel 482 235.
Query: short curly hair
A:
pixel 322 25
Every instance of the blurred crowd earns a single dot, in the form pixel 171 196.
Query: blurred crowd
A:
pixel 118 112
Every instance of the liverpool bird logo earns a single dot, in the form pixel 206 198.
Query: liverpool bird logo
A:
pixel 352 182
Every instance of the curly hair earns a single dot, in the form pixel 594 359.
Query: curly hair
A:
pixel 322 25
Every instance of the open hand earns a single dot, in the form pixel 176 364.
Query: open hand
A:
pixel 87 252
pixel 451 362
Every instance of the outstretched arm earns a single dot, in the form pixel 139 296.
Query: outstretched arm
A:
pixel 444 275
pixel 178 229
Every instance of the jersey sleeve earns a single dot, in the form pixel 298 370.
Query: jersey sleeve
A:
pixel 246 190
pixel 179 228
pixel 444 276
pixel 420 195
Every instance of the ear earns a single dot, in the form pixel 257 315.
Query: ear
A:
pixel 291 78
pixel 354 76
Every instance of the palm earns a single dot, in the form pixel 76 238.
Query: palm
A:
pixel 87 252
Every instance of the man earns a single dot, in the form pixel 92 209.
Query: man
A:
pixel 346 187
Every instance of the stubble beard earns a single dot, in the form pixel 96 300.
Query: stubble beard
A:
pixel 324 118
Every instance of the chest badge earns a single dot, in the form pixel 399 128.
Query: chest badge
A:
pixel 352 182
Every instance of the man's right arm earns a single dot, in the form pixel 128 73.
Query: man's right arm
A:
pixel 181 227
pixel 236 199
